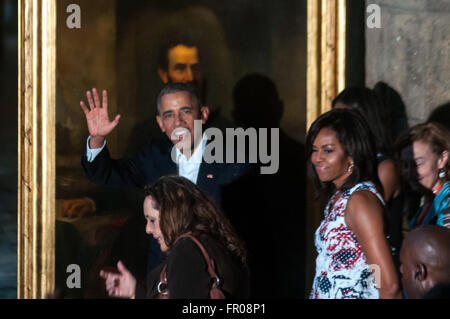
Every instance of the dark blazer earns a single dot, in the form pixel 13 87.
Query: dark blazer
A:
pixel 187 276
pixel 227 183
pixel 155 161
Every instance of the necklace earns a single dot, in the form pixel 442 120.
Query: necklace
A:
pixel 435 192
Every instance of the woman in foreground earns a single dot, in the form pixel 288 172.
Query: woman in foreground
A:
pixel 350 241
pixel 174 207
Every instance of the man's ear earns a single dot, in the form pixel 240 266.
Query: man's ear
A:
pixel 421 272
pixel 424 280
pixel 160 123
pixel 163 75
pixel 204 114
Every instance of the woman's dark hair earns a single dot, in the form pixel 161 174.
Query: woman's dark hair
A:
pixel 184 208
pixel 357 142
pixel 394 108
pixel 365 101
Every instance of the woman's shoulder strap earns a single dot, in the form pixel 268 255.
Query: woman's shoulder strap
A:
pixel 368 186
pixel 209 261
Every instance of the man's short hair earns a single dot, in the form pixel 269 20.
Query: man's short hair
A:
pixel 171 88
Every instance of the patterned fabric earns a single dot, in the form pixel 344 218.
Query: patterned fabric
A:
pixel 438 212
pixel 341 268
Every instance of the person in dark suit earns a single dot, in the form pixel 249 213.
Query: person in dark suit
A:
pixel 174 207
pixel 178 61
pixel 179 105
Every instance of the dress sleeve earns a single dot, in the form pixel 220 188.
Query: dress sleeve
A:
pixel 446 217
pixel 187 275
pixel 443 215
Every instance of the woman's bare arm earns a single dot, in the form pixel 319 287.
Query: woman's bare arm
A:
pixel 364 216
pixel 389 178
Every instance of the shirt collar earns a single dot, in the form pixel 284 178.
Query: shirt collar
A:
pixel 197 155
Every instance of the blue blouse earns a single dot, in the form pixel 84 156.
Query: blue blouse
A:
pixel 439 211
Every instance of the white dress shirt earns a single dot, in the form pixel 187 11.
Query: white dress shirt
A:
pixel 91 153
pixel 186 168
pixel 189 168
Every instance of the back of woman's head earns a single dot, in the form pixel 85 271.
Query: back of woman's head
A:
pixel 391 99
pixel 184 208
pixel 365 101
pixel 436 136
pixel 357 142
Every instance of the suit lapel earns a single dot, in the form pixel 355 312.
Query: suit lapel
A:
pixel 169 167
pixel 208 175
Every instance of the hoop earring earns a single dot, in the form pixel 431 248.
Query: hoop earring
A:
pixel 442 173
pixel 350 168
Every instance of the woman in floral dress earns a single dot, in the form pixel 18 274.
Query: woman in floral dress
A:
pixel 354 259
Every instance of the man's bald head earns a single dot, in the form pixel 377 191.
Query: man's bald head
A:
pixel 425 258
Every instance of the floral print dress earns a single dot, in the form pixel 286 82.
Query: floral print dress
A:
pixel 341 268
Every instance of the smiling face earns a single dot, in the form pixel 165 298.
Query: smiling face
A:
pixel 329 159
pixel 152 227
pixel 428 165
pixel 176 118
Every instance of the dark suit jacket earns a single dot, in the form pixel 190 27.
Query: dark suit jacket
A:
pixel 155 161
pixel 222 181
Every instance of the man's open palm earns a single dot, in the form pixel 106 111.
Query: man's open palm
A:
pixel 97 116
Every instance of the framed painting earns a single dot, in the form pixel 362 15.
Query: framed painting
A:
pixel 68 225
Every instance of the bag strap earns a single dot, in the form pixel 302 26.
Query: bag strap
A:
pixel 209 263
pixel 209 260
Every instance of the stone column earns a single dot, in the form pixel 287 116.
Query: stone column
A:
pixel 411 52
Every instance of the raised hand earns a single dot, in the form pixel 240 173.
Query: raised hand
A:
pixel 122 284
pixel 97 117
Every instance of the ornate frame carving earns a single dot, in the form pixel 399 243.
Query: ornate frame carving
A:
pixel 36 149
pixel 325 55
pixel 325 78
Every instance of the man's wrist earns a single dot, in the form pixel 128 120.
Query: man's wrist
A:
pixel 96 142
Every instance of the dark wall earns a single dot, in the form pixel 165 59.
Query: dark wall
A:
pixel 8 142
pixel 356 26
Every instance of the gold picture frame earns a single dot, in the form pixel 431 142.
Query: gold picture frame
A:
pixel 36 149
pixel 36 122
